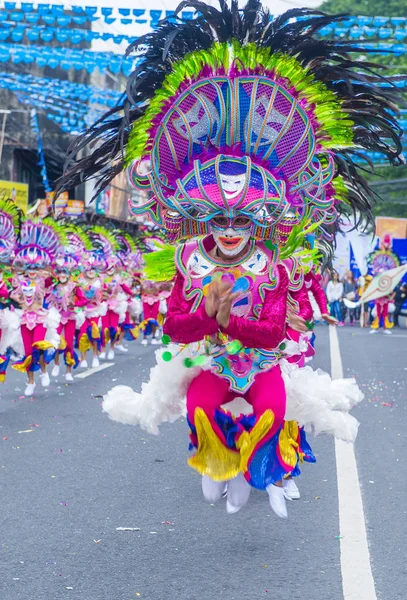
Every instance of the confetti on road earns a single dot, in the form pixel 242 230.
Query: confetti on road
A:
pixel 25 431
pixel 127 528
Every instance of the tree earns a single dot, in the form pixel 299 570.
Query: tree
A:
pixel 374 8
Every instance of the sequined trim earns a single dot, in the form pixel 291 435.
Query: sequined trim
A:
pixel 212 457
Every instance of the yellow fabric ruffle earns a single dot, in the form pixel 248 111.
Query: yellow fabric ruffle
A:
pixel 69 359
pixel 375 324
pixel 43 345
pixel 62 343
pixel 95 331
pixel 84 344
pixel 212 457
pixel 106 335
pixel 249 440
pixel 2 377
pixel 161 319
pixel 24 366
pixel 288 443
pixel 388 324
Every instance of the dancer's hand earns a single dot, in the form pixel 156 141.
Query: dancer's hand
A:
pixel 223 314
pixel 216 290
pixel 297 323
pixel 330 320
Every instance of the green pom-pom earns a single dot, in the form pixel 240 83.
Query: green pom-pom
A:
pixel 166 339
pixel 282 346
pixel 188 362
pixel 234 347
pixel 167 356
pixel 310 325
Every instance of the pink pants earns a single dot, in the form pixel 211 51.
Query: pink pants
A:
pixel 382 310
pixel 30 336
pixel 68 332
pixel 151 310
pixel 110 322
pixel 208 392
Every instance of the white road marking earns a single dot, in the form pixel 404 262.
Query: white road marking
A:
pixel 357 577
pixel 90 372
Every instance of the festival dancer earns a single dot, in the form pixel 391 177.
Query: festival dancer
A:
pixel 65 295
pixel 242 119
pixel 35 252
pixel 10 222
pixel 91 283
pixel 380 261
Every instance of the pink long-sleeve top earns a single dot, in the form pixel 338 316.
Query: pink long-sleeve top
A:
pixel 185 327
pixel 315 287
pixel 4 292
pixel 304 304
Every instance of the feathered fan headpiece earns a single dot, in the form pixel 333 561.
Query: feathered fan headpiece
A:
pixel 232 113
pixel 39 243
pixel 10 223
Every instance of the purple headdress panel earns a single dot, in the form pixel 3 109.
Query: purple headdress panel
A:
pixel 37 247
pixel 235 144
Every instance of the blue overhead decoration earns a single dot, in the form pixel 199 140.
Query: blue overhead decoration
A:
pixel 28 32
pixel 41 158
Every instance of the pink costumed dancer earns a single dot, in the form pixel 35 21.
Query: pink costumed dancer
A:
pixel 94 308
pixel 10 221
pixel 36 250
pixel 65 295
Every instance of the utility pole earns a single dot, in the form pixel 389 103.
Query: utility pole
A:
pixel 3 130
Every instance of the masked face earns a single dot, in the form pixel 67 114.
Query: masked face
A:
pixel 231 235
pixel 91 274
pixel 62 276
pixel 232 185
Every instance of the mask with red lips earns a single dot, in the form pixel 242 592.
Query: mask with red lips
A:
pixel 231 235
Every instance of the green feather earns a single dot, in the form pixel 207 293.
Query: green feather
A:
pixel 160 265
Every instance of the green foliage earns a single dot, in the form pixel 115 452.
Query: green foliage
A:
pixel 379 8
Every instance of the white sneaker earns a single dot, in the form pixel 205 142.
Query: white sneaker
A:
pixel 110 355
pixel 291 491
pixel 45 381
pixel 95 362
pixel 277 500
pixel 154 342
pixel 121 348
pixel 102 355
pixel 388 331
pixel 144 342
pixel 83 364
pixel 68 377
pixel 29 390
pixel 55 371
pixel 238 494
pixel 373 331
pixel 212 490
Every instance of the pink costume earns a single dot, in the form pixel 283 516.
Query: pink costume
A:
pixel 94 309
pixel 64 298
pixel 301 305
pixel 313 285
pixel 116 294
pixel 258 444
pixel 29 292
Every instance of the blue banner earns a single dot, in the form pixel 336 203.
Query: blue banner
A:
pixel 41 162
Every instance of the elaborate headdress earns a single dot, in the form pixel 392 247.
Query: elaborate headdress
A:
pixel 10 222
pixel 232 113
pixel 38 244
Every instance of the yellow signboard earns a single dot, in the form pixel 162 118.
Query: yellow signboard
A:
pixel 18 192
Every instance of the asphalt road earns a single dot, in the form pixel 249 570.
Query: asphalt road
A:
pixel 70 477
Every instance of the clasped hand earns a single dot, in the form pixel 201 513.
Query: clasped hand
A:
pixel 219 301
